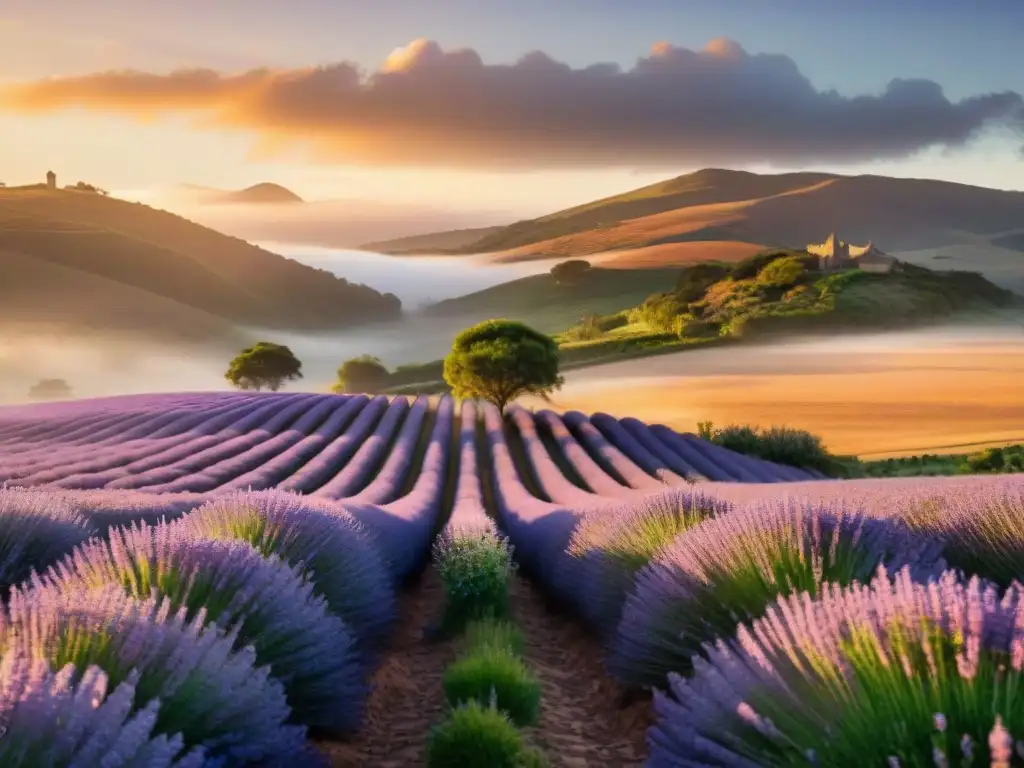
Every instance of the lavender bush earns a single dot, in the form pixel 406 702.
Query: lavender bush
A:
pixel 727 569
pixel 609 547
pixel 53 720
pixel 338 556
pixel 983 530
pixel 212 695
pixel 265 601
pixel 897 673
pixel 36 528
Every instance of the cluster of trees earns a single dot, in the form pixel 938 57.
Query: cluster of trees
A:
pixel 82 186
pixel 51 389
pixel 497 360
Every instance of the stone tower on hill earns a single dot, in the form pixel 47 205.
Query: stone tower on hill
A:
pixel 835 254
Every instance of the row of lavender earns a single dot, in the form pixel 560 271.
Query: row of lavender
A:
pixel 220 638
pixel 330 446
pixel 827 623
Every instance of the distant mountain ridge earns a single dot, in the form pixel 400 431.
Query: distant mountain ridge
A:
pixel 786 210
pixel 84 260
pixel 263 193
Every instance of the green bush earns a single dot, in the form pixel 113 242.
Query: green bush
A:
pixel 782 445
pixel 496 674
pixel 689 327
pixel 475 572
pixel 496 634
pixel 782 273
pixel 474 734
pixel 587 329
pixel 659 312
pixel 995 460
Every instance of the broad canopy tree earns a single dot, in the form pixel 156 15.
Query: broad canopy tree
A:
pixel 499 360
pixel 51 389
pixel 365 373
pixel 264 365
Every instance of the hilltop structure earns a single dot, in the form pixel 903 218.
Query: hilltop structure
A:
pixel 835 254
pixel 51 180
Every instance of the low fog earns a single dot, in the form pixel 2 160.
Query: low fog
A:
pixel 98 365
pixel 326 223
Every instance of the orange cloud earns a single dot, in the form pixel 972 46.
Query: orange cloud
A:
pixel 428 106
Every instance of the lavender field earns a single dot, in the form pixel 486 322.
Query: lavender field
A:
pixel 213 579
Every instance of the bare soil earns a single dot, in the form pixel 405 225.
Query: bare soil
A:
pixel 582 724
pixel 407 699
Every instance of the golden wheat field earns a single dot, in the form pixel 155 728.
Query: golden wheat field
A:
pixel 874 396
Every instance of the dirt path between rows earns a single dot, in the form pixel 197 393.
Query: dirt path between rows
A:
pixel 582 724
pixel 407 699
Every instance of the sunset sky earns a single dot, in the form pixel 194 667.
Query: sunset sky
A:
pixel 515 106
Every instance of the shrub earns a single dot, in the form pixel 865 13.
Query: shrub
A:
pixel 687 326
pixel 475 571
pixel 728 568
pixel 781 445
pixel 72 718
pixel 610 546
pixel 587 329
pixel 36 528
pixel 474 734
pixel 695 279
pixel 493 673
pixel 336 553
pixel 660 311
pixel 494 634
pixel 896 673
pixel 213 696
pixel 266 601
pixel 782 273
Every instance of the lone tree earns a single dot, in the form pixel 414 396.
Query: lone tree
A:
pixel 51 389
pixel 499 360
pixel 264 364
pixel 365 373
pixel 570 272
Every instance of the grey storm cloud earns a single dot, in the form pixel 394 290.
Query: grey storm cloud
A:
pixel 428 106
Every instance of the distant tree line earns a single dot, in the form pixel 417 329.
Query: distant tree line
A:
pixel 497 361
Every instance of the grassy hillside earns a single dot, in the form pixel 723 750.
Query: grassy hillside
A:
pixel 132 254
pixel 438 242
pixel 784 211
pixel 550 306
pixel 775 293
pixel 260 193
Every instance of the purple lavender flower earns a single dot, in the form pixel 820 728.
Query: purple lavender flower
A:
pixel 728 568
pixel 339 557
pixel 52 720
pixel 610 546
pixel 857 676
pixel 36 527
pixel 212 695
pixel 265 601
pixel 982 528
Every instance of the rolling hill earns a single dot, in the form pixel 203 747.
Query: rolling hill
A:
pixel 260 193
pixel 83 260
pixel 752 211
